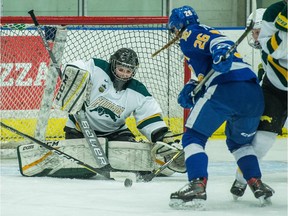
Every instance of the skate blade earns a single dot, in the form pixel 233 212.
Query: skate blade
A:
pixel 264 202
pixel 235 198
pixel 196 204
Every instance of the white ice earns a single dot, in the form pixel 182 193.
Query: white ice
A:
pixel 44 196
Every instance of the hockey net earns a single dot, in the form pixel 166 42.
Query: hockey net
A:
pixel 28 81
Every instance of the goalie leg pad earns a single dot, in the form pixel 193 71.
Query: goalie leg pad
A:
pixel 34 160
pixel 131 156
pixel 74 90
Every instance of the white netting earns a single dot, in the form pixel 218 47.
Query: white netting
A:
pixel 25 65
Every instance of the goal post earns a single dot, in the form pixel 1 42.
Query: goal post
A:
pixel 25 66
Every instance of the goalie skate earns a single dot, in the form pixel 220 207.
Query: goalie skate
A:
pixel 191 196
pixel 261 191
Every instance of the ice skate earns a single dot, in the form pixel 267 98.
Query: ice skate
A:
pixel 238 189
pixel 191 196
pixel 261 191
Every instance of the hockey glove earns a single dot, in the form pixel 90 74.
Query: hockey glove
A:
pixel 185 98
pixel 221 62
pixel 164 151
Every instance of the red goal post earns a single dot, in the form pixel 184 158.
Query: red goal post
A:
pixel 26 70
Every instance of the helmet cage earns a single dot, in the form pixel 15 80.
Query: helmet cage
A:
pixel 257 26
pixel 115 63
pixel 127 58
pixel 252 42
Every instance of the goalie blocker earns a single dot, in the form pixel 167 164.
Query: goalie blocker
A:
pixel 35 160
pixel 74 90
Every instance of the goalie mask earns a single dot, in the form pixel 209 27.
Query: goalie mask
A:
pixel 253 36
pixel 124 64
pixel 182 17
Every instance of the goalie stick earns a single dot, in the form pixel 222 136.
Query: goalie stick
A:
pixel 54 61
pixel 91 139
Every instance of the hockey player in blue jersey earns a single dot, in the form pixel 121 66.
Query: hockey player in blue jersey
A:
pixel 231 94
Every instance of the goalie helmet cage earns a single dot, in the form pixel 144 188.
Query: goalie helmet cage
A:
pixel 25 65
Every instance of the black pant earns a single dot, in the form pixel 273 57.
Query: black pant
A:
pixel 121 135
pixel 275 112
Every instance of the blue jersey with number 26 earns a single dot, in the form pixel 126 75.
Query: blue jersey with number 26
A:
pixel 197 42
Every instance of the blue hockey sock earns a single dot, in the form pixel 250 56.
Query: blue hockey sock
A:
pixel 249 166
pixel 197 165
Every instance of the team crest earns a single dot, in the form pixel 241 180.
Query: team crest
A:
pixel 200 77
pixel 186 34
pixel 102 88
pixel 107 108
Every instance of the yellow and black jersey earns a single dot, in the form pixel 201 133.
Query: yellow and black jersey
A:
pixel 273 39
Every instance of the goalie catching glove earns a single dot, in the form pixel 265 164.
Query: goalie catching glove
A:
pixel 165 149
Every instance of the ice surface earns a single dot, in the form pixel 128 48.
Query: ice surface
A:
pixel 44 196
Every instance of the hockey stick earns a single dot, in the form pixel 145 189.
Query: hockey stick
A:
pixel 105 171
pixel 88 133
pixel 177 37
pixel 156 172
pixel 232 49
pixel 54 61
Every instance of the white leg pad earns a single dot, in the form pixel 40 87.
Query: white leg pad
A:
pixel 128 156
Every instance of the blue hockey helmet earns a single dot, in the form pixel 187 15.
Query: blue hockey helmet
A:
pixel 182 17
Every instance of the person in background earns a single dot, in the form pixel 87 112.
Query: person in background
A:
pixel 252 37
pixel 272 41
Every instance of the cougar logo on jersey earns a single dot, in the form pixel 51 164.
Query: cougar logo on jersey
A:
pixel 105 107
pixel 107 112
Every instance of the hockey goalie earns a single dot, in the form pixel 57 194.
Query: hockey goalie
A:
pixel 107 94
